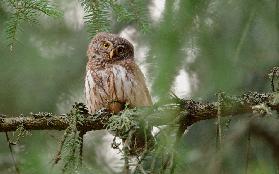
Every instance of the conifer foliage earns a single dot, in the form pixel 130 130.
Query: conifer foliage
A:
pixel 99 14
pixel 25 10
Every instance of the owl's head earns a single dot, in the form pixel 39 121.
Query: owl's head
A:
pixel 110 47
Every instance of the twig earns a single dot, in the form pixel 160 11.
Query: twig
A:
pixel 61 144
pixel 126 169
pixel 274 74
pixel 219 125
pixel 248 151
pixel 245 33
pixel 81 137
pixel 11 152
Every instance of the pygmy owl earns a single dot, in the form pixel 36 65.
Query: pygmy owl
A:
pixel 113 79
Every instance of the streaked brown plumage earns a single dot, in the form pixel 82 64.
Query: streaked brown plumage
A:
pixel 113 80
pixel 112 77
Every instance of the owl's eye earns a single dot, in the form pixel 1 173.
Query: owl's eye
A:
pixel 105 45
pixel 120 50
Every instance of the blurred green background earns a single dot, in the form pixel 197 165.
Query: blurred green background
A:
pixel 225 46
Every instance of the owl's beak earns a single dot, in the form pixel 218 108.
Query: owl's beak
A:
pixel 112 53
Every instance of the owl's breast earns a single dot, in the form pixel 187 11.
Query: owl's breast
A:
pixel 111 84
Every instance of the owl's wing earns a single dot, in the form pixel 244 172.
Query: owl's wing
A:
pixel 143 97
pixel 129 85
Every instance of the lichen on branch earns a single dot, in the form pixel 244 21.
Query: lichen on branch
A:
pixel 191 112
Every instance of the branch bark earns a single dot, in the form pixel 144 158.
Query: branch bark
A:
pixel 190 112
pixel 51 122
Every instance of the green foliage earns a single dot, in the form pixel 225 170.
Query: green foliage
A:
pixel 25 10
pixel 168 42
pixel 123 123
pixel 121 13
pixel 99 15
pixel 19 134
pixel 139 11
pixel 102 14
pixel 133 130
pixel 96 17
pixel 70 150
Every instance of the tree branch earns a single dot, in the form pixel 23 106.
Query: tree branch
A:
pixel 190 112
pixel 51 122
